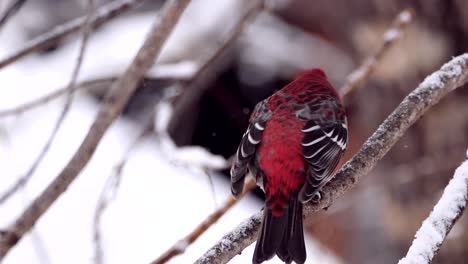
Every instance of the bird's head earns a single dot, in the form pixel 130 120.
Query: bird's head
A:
pixel 316 72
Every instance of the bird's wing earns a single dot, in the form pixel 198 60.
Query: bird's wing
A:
pixel 247 147
pixel 324 142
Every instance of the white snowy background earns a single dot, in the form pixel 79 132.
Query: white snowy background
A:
pixel 159 201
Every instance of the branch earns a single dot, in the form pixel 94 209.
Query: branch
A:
pixel 110 191
pixel 167 75
pixel 194 89
pixel 181 245
pixel 54 95
pixel 361 74
pixel 11 10
pixel 23 180
pixel 445 214
pixel 48 39
pixel 113 103
pixel 437 85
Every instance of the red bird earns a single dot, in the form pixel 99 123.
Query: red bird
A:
pixel 292 146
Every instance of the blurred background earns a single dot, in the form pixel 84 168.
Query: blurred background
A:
pixel 373 223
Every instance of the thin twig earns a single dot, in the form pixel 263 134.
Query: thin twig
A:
pixel 445 214
pixel 112 105
pixel 59 33
pixel 361 74
pixel 180 247
pixel 84 85
pixel 193 90
pixel 23 180
pixel 436 86
pixel 20 109
pixel 10 11
pixel 109 192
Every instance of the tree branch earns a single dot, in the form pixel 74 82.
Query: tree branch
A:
pixel 23 179
pixel 361 74
pixel 109 192
pixel 195 87
pixel 16 110
pixel 113 103
pixel 181 245
pixel 445 214
pixel 48 39
pixel 10 11
pixel 437 85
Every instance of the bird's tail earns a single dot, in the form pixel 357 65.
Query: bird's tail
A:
pixel 283 235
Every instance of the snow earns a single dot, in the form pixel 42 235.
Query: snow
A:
pixel 164 191
pixel 435 228
pixel 450 70
pixel 405 16
pixel 395 32
pixel 181 70
pixel 391 34
pixel 162 116
pixel 181 245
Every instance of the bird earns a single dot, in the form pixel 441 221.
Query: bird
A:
pixel 292 147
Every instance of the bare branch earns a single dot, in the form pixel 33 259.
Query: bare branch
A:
pixel 113 103
pixel 98 83
pixel 109 192
pixel 445 214
pixel 437 85
pixel 54 95
pixel 361 74
pixel 180 247
pixel 193 90
pixel 59 33
pixel 10 11
pixel 23 180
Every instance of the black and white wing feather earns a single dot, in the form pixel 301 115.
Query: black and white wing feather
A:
pixel 323 146
pixel 247 147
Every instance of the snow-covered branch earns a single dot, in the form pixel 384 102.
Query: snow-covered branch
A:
pixel 436 227
pixel 113 103
pixel 390 37
pixel 437 85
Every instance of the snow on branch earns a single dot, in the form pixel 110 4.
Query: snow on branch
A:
pixel 445 214
pixel 113 103
pixel 436 86
pixel 390 37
